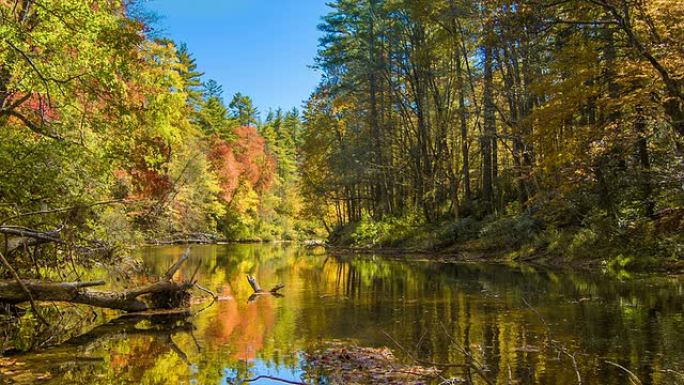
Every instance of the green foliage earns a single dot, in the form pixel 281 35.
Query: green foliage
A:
pixel 243 110
pixel 510 232
pixel 390 232
pixel 460 230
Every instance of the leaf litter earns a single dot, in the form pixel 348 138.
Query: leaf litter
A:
pixel 349 364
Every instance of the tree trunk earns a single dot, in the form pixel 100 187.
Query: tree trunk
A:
pixel 644 163
pixel 489 132
pixel 464 129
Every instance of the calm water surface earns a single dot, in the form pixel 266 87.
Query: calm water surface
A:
pixel 525 325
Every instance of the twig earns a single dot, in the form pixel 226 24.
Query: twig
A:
pixel 257 378
pixel 560 347
pixel 194 274
pixel 673 372
pixel 197 344
pixel 399 346
pixel 204 289
pixel 62 209
pixel 633 378
pixel 214 298
pixel 47 236
pixel 472 361
pixel 179 352
pixel 407 353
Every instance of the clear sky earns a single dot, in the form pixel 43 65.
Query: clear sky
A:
pixel 262 48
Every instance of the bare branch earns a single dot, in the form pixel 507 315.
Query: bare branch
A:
pixel 177 265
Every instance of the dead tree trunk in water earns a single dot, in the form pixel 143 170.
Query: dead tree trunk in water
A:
pixel 258 291
pixel 163 294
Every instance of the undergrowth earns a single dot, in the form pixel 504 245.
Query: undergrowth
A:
pixel 596 238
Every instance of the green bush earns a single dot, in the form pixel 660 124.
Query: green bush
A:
pixel 366 232
pixel 459 231
pixel 583 244
pixel 389 232
pixel 509 232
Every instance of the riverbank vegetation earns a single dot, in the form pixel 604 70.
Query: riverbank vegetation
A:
pixel 523 127
pixel 504 129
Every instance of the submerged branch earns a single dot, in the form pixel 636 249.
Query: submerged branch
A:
pixel 277 379
pixel 258 291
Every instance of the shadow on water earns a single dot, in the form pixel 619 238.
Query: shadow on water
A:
pixel 525 325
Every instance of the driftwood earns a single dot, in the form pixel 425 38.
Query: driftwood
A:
pixel 258 291
pixel 163 294
pixel 18 237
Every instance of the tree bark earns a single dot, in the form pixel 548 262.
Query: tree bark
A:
pixel 489 132
pixel 464 129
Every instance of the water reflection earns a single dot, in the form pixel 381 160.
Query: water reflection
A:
pixel 524 325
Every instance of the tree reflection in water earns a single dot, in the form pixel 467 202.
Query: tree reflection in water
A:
pixel 521 324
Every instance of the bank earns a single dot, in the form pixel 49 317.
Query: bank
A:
pixel 652 244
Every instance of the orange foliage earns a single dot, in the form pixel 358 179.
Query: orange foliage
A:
pixel 243 161
pixel 226 166
pixel 34 106
pixel 245 328
pixel 149 168
pixel 258 166
pixel 256 322
pixel 228 317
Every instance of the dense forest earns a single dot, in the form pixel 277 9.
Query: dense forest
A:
pixel 532 127
pixel 542 127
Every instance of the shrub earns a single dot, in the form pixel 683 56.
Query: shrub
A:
pixel 509 232
pixel 458 231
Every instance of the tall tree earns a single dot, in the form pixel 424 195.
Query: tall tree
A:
pixel 243 111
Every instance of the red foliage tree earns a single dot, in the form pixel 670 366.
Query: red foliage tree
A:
pixel 250 151
pixel 223 160
pixel 243 161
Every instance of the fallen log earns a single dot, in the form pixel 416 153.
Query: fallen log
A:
pixel 164 294
pixel 254 284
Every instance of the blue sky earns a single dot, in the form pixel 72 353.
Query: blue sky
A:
pixel 261 48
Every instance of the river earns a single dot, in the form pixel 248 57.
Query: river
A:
pixel 523 324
